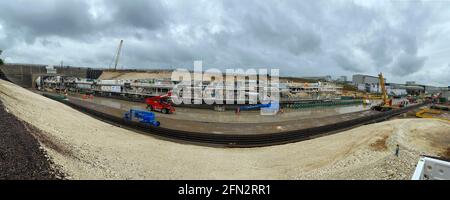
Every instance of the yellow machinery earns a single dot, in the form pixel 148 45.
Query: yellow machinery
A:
pixel 387 103
pixel 384 95
pixel 374 96
pixel 425 113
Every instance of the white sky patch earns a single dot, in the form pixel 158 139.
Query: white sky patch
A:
pixel 183 34
pixel 367 4
pixel 2 33
pixel 99 11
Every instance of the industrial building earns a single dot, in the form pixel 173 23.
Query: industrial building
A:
pixel 367 83
pixel 371 84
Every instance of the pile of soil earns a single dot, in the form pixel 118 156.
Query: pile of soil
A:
pixel 20 154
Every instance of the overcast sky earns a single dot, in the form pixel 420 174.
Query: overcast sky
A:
pixel 406 40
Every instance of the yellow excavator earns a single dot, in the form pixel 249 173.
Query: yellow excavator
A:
pixel 433 112
pixel 386 104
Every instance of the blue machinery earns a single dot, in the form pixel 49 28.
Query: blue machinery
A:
pixel 143 116
pixel 253 107
pixel 275 106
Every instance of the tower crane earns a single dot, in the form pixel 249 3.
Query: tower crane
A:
pixel 118 55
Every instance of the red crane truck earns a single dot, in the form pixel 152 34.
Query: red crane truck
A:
pixel 160 103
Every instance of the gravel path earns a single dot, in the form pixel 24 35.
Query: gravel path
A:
pixel 21 156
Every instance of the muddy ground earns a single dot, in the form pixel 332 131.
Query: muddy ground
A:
pixel 21 156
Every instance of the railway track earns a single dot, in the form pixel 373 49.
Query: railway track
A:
pixel 234 140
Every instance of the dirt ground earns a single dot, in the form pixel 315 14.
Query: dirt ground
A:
pixel 21 155
pixel 87 148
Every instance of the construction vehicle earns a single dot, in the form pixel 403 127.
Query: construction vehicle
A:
pixel 252 107
pixel 160 103
pixel 143 116
pixel 433 112
pixel 271 108
pixel 386 103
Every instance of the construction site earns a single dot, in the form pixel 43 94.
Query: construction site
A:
pixel 86 123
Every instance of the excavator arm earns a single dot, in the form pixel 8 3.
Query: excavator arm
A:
pixel 386 105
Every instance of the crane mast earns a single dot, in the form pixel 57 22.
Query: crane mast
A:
pixel 118 54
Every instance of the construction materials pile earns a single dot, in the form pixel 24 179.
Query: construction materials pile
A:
pixel 87 148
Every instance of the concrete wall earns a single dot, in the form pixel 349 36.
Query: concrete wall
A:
pixel 23 74
pixel 446 94
pixel 434 90
pixel 72 71
pixel 3 76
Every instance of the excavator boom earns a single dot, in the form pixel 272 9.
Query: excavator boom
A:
pixel 383 89
pixel 386 104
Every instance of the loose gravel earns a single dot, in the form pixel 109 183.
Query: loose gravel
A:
pixel 21 156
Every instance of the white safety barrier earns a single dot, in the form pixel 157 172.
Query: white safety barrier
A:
pixel 432 169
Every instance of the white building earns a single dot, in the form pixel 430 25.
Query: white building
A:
pixel 367 83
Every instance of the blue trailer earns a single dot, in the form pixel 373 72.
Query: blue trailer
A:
pixel 253 107
pixel 143 116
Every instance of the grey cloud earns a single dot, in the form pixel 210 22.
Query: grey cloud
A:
pixel 306 42
pixel 138 13
pixel 407 64
pixel 346 63
pixel 300 38
pixel 71 18
pixel 33 19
